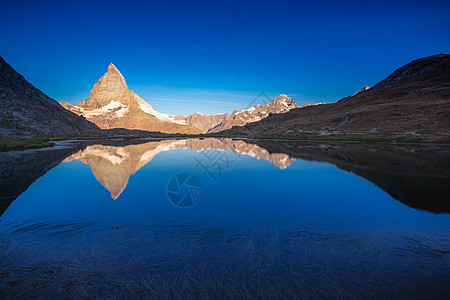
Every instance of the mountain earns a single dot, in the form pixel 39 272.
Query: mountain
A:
pixel 206 122
pixel 26 111
pixel 112 105
pixel 413 101
pixel 113 165
pixel 220 122
pixel 278 105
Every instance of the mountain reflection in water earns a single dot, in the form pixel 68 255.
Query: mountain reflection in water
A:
pixel 113 165
pixel 415 175
pixel 285 220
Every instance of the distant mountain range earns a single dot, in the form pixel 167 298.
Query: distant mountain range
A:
pixel 413 101
pixel 278 105
pixel 112 105
pixel 240 117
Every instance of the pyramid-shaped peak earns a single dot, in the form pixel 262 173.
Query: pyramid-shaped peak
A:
pixel 112 68
pixel 116 193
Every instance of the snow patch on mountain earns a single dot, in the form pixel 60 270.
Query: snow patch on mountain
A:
pixel 103 110
pixel 147 108
pixel 174 120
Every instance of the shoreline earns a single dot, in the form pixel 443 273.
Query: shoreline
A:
pixel 27 143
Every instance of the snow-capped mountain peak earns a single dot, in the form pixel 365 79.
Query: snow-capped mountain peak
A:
pixel 111 104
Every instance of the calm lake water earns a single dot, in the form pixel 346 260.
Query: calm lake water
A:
pixel 223 218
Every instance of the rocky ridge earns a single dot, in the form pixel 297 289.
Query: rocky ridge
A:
pixel 26 111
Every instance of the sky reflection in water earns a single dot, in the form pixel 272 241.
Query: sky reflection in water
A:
pixel 265 216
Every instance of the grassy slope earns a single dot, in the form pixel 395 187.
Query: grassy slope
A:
pixel 414 101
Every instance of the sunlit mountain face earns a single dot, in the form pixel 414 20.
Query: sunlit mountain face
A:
pixel 111 104
pixel 113 165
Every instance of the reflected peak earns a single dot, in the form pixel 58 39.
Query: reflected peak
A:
pixel 113 165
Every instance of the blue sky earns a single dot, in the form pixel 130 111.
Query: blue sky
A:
pixel 215 56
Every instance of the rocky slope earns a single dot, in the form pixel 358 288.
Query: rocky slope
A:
pixel 112 105
pixel 364 88
pixel 205 122
pixel 413 101
pixel 26 111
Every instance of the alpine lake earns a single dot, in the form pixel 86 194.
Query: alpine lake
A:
pixel 225 219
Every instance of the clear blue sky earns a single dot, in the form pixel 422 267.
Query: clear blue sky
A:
pixel 215 56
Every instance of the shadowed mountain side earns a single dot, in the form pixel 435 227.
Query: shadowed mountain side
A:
pixel 19 169
pixel 414 101
pixel 417 176
pixel 113 165
pixel 26 111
